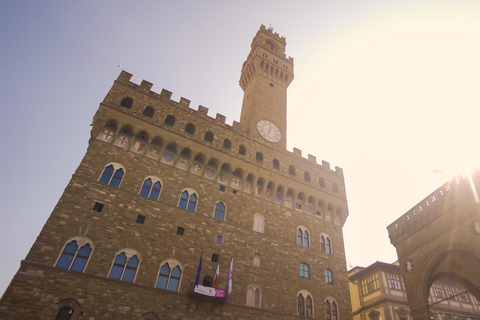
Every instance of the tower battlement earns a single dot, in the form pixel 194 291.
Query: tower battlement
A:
pixel 202 112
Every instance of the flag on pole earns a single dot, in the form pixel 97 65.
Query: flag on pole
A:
pixel 197 280
pixel 215 280
pixel 230 276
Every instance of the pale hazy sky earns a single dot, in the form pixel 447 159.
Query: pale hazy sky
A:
pixel 386 90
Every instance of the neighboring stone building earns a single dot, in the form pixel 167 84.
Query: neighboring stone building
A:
pixel 378 293
pixel 161 183
pixel 439 238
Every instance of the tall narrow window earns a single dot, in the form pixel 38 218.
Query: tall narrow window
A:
pixel 151 190
pixel 306 239
pixel 301 305
pixel 331 310
pixel 219 211
pixel 112 176
pixel 74 259
pixel 253 296
pixel 188 200
pixel 328 310
pixel 328 246
pixel 328 277
pixel 325 244
pixel 309 307
pixel 259 157
pixel 124 269
pixel 299 237
pixel 169 279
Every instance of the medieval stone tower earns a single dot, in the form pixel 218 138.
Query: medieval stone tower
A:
pixel 161 183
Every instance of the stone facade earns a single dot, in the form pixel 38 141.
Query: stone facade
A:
pixel 439 239
pixel 269 194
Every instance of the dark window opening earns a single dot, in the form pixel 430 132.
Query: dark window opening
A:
pixel 180 231
pixel 148 111
pixel 259 157
pixel 209 136
pixel 276 164
pixel 170 120
pixel 227 144
pixel 190 128
pixel 271 84
pixel 98 207
pixel 321 182
pixel 291 170
pixel 207 281
pixel 140 219
pixel 127 102
pixel 242 150
pixel 214 257
pixel 221 188
pixel 219 239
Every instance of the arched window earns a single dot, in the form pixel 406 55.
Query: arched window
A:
pixel 227 144
pixel 169 279
pixel 331 310
pixel 306 239
pixel 304 271
pixel 148 111
pixel 307 176
pixel 321 182
pixel 328 277
pixel 256 260
pixel 242 150
pixel 253 296
pixel 328 310
pixel 325 244
pixel 219 211
pixel 209 136
pixel 127 102
pixel 303 238
pixel 259 157
pixel 276 164
pixel 188 200
pixel 334 311
pixel 112 175
pixel 151 189
pixel 258 223
pixel 190 128
pixel 305 304
pixel 64 313
pixel 124 268
pixel 74 258
pixel 170 120
pixel 291 170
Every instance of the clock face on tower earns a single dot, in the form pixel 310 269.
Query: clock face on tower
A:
pixel 269 131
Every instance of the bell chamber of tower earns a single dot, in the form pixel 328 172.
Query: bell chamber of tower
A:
pixel 265 77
